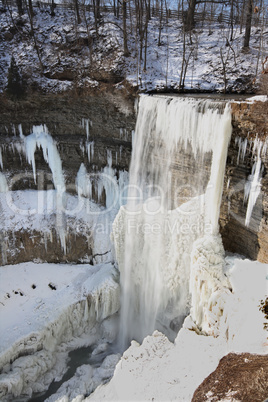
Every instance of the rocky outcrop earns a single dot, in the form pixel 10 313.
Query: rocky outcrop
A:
pixel 238 377
pixel 105 119
pixel 249 136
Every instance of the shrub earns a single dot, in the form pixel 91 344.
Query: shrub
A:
pixel 263 307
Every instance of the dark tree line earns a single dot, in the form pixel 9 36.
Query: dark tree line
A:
pixel 133 16
pixel 143 11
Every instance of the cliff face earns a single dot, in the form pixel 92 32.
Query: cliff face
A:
pixel 104 123
pixel 95 131
pixel 246 153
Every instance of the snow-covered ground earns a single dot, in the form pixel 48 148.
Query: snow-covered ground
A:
pixel 47 310
pixel 162 371
pixel 44 314
pixel 75 56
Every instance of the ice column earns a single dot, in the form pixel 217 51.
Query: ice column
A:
pixel 253 184
pixel 3 183
pixel 40 138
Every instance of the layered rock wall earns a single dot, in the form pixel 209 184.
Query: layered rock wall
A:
pixel 108 121
pixel 249 136
pixel 93 130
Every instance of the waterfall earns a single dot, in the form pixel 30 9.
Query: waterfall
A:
pixel 175 186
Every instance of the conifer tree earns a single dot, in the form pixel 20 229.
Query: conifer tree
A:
pixel 15 85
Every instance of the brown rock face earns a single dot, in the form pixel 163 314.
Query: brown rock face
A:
pixel 238 377
pixel 105 119
pixel 22 246
pixel 250 122
pixel 110 119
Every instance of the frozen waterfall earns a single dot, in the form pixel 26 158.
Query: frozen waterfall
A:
pixel 176 180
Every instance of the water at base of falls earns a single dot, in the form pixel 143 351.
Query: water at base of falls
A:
pixel 87 356
pixel 176 180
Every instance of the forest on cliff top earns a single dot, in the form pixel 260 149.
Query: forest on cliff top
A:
pixel 193 45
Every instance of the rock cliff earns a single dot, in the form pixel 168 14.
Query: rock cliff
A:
pixel 249 138
pixel 87 129
pixel 107 120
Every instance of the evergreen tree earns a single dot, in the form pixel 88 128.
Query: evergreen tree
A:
pixel 15 84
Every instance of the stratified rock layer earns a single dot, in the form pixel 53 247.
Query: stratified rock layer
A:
pixel 111 121
pixel 241 377
pixel 95 130
pixel 250 121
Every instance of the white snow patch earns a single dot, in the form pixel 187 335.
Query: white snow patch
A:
pixel 47 309
pixel 160 370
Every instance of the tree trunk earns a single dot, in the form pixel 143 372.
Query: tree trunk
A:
pixel 52 8
pixel 248 24
pixel 19 6
pixel 160 24
pixel 31 8
pixel 189 23
pixel 124 9
pixel 76 6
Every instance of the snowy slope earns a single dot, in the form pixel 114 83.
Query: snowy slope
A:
pixel 73 56
pixel 161 371
pixel 46 310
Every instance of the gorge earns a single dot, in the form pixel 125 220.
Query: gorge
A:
pixel 65 176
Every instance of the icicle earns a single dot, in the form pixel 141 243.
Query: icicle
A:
pixel 242 148
pixel 83 184
pixel 3 183
pixel 82 148
pixel 253 185
pixel 1 158
pixel 90 150
pixel 40 138
pixel 109 158
pixel 20 131
pixel 85 124
pixel 86 311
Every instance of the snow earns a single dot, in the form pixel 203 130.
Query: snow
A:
pixel 61 307
pixel 160 370
pixel 258 98
pixel 46 310
pixel 156 369
pixel 55 35
pixel 41 211
pixel 41 138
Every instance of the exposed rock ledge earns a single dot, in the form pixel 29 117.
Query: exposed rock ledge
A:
pixel 250 123
pixel 113 118
pixel 238 377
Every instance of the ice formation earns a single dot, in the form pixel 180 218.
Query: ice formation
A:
pixel 253 184
pixel 83 183
pixel 3 183
pixel 155 232
pixel 39 356
pixel 1 158
pixel 112 184
pixel 209 286
pixel 85 124
pixel 90 150
pixel 40 138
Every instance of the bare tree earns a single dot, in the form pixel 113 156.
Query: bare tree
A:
pixel 76 7
pixel 124 11
pixel 20 7
pixel 186 55
pixel 225 58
